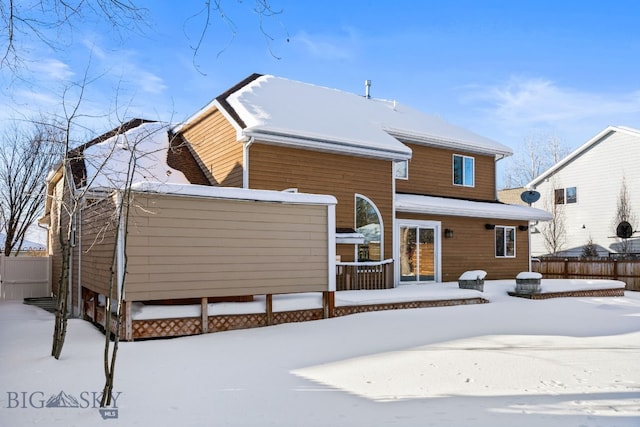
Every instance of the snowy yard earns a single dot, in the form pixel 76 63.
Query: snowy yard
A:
pixel 513 362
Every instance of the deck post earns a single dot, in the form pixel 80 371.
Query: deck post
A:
pixel 328 304
pixel 269 309
pixel 128 322
pixel 204 314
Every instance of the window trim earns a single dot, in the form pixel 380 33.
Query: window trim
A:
pixel 473 171
pixel 504 241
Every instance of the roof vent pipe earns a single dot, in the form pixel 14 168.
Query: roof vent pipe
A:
pixel 367 89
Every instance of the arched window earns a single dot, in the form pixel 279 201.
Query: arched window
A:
pixel 369 224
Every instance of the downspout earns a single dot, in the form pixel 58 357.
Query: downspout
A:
pixel 247 141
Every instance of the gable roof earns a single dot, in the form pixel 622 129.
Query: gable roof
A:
pixel 584 147
pixel 288 112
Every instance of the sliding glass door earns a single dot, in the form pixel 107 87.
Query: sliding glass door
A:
pixel 419 250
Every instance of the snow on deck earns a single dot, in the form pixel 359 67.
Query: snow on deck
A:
pixel 403 293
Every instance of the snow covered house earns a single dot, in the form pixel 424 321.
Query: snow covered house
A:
pixel 178 240
pixel 416 195
pixel 586 187
pixel 278 187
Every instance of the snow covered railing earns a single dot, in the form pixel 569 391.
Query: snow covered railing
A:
pixel 364 275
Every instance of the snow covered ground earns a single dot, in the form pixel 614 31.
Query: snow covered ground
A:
pixel 513 362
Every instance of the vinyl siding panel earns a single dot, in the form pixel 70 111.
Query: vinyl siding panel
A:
pixel 186 247
pixel 278 168
pixel 431 173
pixel 473 247
pixel 213 139
pixel 98 244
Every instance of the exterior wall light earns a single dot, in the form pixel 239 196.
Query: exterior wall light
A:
pixel 489 226
pixel 448 233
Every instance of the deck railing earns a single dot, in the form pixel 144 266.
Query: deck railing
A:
pixel 364 275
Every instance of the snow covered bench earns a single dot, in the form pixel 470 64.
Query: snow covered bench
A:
pixel 473 279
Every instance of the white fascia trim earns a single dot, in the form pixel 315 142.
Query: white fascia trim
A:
pixel 449 143
pixel 327 146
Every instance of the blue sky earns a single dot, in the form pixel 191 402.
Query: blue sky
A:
pixel 504 69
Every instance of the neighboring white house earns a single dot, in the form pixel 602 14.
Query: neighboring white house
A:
pixel 585 186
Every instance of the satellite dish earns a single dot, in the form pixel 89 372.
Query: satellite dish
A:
pixel 530 196
pixel 624 230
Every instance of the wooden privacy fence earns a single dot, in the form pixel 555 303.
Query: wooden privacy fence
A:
pixel 25 277
pixel 627 271
pixel 364 275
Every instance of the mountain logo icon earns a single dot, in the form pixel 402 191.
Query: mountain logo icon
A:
pixel 62 400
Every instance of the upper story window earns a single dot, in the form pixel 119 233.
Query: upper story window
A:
pixel 505 242
pixel 401 169
pixel 463 170
pixel 565 195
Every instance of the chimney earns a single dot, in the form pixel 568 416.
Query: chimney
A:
pixel 367 89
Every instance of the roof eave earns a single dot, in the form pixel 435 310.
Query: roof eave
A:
pixel 450 143
pixel 330 146
pixel 553 169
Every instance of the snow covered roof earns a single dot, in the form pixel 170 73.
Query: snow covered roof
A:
pixel 232 193
pixel 466 208
pixel 288 112
pixel 107 162
pixel 578 151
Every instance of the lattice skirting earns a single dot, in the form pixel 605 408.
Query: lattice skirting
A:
pixel 353 309
pixel 619 292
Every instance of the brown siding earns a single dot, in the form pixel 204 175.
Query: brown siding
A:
pixel 431 173
pixel 472 247
pixel 278 168
pixel 98 244
pixel 185 247
pixel 213 139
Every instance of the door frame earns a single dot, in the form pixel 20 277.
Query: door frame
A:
pixel 436 226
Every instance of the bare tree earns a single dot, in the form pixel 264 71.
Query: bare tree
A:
pixel 123 178
pixel 52 22
pixel 68 204
pixel 624 213
pixel 27 153
pixel 541 151
pixel 554 231
pixel 45 21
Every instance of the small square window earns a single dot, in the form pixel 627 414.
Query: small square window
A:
pixel 571 195
pixel 559 196
pixel 402 169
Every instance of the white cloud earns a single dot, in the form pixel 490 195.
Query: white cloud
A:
pixel 52 69
pixel 535 102
pixel 328 47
